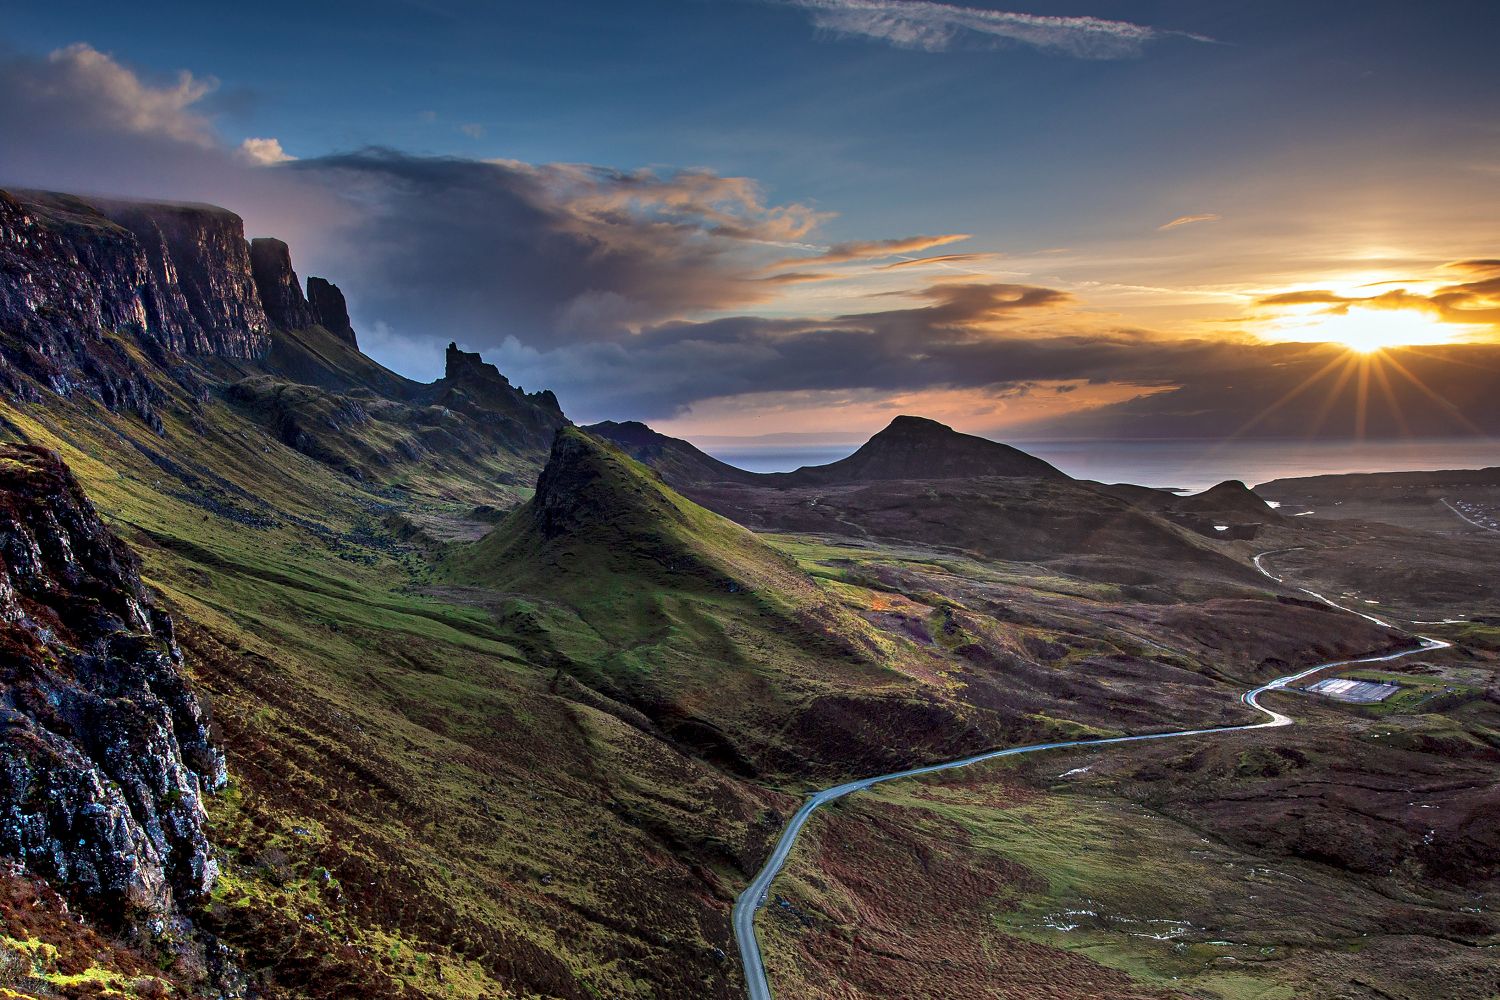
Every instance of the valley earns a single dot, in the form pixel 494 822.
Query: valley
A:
pixel 513 708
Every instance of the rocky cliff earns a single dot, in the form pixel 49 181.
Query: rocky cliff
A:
pixel 473 386
pixel 67 275
pixel 280 291
pixel 201 266
pixel 105 752
pixel 83 280
pixel 329 309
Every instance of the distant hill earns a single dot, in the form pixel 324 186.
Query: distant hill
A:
pixel 921 481
pixel 908 448
pixel 596 511
pixel 918 448
pixel 1230 497
pixel 1381 480
pixel 678 462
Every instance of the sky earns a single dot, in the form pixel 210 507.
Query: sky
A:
pixel 739 218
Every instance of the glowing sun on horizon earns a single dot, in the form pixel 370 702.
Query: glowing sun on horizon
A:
pixel 1365 330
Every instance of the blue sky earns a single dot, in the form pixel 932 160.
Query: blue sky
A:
pixel 1320 146
pixel 1017 139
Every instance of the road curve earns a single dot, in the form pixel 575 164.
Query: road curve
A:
pixel 754 897
pixel 1461 514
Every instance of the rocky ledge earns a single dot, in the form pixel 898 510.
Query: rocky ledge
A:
pixel 105 752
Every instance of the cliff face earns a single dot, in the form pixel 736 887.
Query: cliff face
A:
pixel 66 275
pixel 73 273
pixel 280 291
pixel 201 264
pixel 105 753
pixel 329 309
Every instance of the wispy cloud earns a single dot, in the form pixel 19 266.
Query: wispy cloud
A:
pixel 1188 220
pixel 939 259
pixel 840 253
pixel 933 27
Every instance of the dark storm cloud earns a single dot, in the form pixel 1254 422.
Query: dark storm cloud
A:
pixel 428 248
pixel 961 340
pixel 78 120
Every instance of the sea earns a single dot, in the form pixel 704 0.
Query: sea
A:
pixel 1188 465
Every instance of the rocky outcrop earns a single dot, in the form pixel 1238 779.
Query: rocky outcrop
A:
pixel 329 309
pixel 280 291
pixel 105 752
pixel 475 387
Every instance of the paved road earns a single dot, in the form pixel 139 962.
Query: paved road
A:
pixel 1313 593
pixel 754 897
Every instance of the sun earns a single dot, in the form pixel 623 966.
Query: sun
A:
pixel 1364 330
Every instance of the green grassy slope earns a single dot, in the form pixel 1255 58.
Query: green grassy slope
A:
pixel 636 591
pixel 542 764
pixel 415 810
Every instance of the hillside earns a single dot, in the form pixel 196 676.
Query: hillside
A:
pixel 503 714
pixel 1232 498
pixel 677 612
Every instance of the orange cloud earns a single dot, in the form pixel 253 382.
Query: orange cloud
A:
pixel 841 253
pixel 1473 302
pixel 1188 220
pixel 946 258
pixel 1477 266
pixel 797 277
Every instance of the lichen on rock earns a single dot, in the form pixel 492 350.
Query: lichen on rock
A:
pixel 105 752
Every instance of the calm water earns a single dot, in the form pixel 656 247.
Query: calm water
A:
pixel 1188 464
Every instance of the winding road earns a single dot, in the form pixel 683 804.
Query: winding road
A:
pixel 755 896
pixel 1486 527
